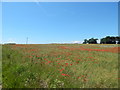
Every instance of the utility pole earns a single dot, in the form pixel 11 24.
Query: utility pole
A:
pixel 27 40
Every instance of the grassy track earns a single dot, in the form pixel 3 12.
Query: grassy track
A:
pixel 60 66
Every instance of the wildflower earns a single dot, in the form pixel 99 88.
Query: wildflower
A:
pixel 45 59
pixel 68 59
pixel 37 56
pixel 78 77
pixel 49 61
pixel 58 58
pixel 82 75
pixel 66 63
pixel 61 69
pixel 65 74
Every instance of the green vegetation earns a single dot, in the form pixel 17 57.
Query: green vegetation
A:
pixel 106 40
pixel 0 65
pixel 59 66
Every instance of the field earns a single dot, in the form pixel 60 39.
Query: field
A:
pixel 0 65
pixel 60 66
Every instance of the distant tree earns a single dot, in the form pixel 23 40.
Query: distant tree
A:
pixel 10 43
pixel 113 40
pixel 108 40
pixel 85 41
pixel 103 41
pixel 118 39
pixel 92 41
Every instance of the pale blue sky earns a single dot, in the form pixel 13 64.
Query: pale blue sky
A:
pixel 58 22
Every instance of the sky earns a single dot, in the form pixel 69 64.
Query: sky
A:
pixel 58 22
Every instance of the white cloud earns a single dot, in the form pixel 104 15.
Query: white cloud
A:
pixel 10 42
pixel 76 41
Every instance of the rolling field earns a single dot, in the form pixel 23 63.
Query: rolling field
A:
pixel 60 66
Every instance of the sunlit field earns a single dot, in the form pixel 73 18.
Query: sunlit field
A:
pixel 0 65
pixel 60 66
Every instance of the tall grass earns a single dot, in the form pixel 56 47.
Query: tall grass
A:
pixel 0 65
pixel 58 66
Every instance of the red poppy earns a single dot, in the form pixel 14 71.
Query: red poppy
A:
pixel 65 74
pixel 49 61
pixel 61 70
pixel 78 77
pixel 66 63
pixel 37 56
pixel 70 64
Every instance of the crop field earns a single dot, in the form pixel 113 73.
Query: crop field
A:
pixel 60 66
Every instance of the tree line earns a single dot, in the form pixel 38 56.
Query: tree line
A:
pixel 105 40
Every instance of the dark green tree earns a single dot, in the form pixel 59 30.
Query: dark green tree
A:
pixel 92 41
pixel 108 40
pixel 118 39
pixel 85 41
pixel 113 40
pixel 103 41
